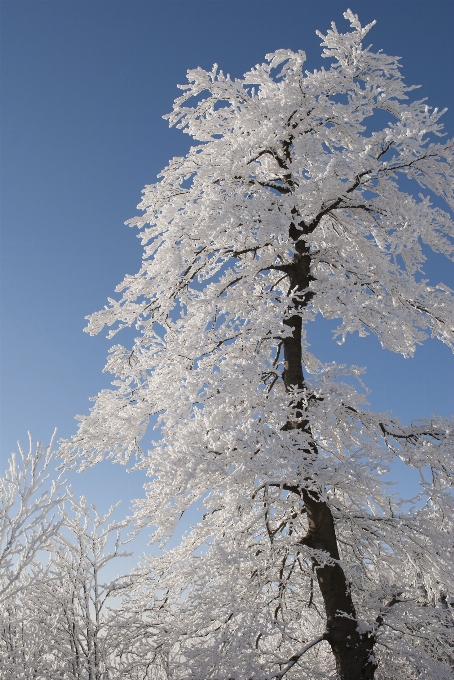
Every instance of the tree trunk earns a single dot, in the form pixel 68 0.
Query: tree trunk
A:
pixel 353 650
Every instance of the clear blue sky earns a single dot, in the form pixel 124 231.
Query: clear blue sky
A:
pixel 84 85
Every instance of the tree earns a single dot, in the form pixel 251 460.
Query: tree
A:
pixel 28 497
pixel 27 630
pixel 58 626
pixel 287 207
pixel 78 593
pixel 31 498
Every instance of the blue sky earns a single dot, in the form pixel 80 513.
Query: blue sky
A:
pixel 84 87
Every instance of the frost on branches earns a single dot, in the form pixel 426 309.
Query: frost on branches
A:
pixel 302 566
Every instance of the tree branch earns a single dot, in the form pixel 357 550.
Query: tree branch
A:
pixel 295 658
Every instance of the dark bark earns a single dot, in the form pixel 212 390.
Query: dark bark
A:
pixel 353 651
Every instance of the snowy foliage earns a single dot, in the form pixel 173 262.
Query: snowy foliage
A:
pixel 286 207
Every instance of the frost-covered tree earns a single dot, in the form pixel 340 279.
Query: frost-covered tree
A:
pixel 27 630
pixel 287 207
pixel 78 595
pixel 57 627
pixel 30 496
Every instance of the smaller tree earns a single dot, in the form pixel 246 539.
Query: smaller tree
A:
pixel 28 499
pixel 56 625
pixel 27 631
pixel 76 596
